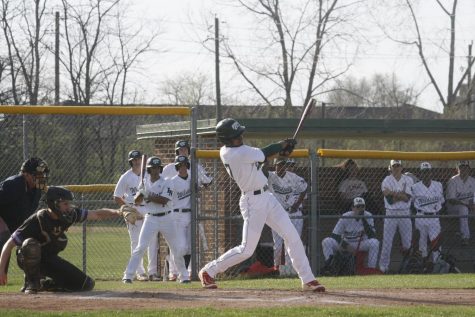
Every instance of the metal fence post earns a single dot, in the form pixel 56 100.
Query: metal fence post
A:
pixel 314 212
pixel 194 201
pixel 84 240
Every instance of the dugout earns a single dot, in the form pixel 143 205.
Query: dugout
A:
pixel 401 135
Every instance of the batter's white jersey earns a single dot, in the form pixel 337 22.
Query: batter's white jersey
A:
pixel 402 185
pixel 286 189
pixel 242 164
pixel 170 171
pixel 351 188
pixel 428 199
pixel 352 229
pixel 458 189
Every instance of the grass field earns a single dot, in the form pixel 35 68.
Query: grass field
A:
pixel 108 253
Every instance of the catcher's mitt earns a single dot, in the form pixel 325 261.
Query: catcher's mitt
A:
pixel 288 148
pixel 130 214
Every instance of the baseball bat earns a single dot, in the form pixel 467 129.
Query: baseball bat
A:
pixel 143 168
pixel 306 112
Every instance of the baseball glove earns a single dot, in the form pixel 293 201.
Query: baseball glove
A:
pixel 288 148
pixel 130 214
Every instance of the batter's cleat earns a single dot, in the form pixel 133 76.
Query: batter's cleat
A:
pixel 206 280
pixel 127 281
pixel 172 278
pixel 313 286
pixel 142 277
pixel 154 278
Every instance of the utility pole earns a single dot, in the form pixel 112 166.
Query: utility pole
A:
pixel 56 60
pixel 216 57
pixel 470 90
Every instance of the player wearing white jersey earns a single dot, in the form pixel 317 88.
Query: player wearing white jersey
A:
pixel 290 190
pixel 258 206
pixel 428 197
pixel 460 189
pixel 181 185
pixel 124 193
pixel 353 234
pixel 396 189
pixel 157 194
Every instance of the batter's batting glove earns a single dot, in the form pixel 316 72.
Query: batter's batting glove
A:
pixel 288 147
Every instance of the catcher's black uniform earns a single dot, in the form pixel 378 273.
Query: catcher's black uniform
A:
pixel 50 235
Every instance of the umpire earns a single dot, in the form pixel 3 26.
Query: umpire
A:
pixel 20 195
pixel 41 237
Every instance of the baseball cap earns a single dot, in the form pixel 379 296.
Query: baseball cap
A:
pixel 134 154
pixel 394 162
pixel 463 163
pixel 358 201
pixel 425 166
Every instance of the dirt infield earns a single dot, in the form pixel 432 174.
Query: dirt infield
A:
pixel 232 298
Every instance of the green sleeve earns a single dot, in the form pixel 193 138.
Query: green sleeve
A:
pixel 337 237
pixel 271 149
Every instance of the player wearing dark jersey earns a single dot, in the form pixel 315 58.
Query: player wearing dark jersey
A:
pixel 42 236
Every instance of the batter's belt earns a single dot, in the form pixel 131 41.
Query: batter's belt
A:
pixel 258 191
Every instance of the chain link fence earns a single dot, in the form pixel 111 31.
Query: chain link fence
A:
pixel 92 149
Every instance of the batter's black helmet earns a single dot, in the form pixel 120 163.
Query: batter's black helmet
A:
pixel 228 129
pixel 35 165
pixel 182 159
pixel 56 194
pixel 181 144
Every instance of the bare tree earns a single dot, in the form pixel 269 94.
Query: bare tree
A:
pixel 290 63
pixel 189 89
pixel 422 45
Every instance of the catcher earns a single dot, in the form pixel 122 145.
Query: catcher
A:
pixel 41 237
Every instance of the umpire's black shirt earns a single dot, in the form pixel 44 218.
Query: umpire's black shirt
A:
pixel 17 202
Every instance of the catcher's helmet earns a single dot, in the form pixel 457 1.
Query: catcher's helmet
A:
pixel 154 161
pixel 228 129
pixel 56 194
pixel 182 159
pixel 181 144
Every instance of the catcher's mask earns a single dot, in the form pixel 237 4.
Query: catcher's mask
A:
pixel 229 129
pixel 37 168
pixel 134 154
pixel 55 195
pixel 181 144
pixel 154 161
pixel 181 159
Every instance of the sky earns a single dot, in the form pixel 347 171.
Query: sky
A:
pixel 184 24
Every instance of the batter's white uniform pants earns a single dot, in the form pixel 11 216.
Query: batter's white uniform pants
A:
pixel 330 245
pixel 461 210
pixel 256 211
pixel 428 228
pixel 152 225
pixel 390 226
pixel 183 223
pixel 134 233
pixel 297 221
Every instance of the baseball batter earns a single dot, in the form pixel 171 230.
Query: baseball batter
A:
pixel 124 193
pixel 353 234
pixel 460 189
pixel 396 189
pixel 42 236
pixel 290 190
pixel 181 186
pixel 157 194
pixel 258 206
pixel 428 197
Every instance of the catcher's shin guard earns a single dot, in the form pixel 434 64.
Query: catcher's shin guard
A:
pixel 29 258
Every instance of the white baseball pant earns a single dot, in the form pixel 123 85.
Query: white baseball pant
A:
pixel 278 241
pixel 428 228
pixel 151 227
pixel 461 210
pixel 183 223
pixel 390 226
pixel 371 246
pixel 256 211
